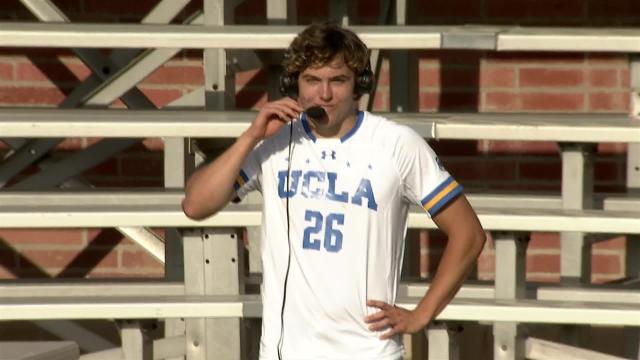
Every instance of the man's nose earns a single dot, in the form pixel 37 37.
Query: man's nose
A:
pixel 326 93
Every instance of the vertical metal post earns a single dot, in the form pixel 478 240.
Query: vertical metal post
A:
pixel 575 250
pixel 339 11
pixel 135 345
pixel 577 193
pixel 510 281
pixel 224 266
pixel 403 78
pixel 219 273
pixel 219 79
pixel 510 278
pixel 177 164
pixel 194 283
pixel 403 93
pixel 508 341
pixel 217 252
pixel 386 13
pixel 399 92
pixel 443 341
pixel 279 12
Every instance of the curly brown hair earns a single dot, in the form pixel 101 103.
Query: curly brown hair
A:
pixel 320 43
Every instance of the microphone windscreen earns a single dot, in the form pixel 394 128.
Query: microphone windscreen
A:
pixel 316 112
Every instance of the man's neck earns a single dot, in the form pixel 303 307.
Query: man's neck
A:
pixel 337 131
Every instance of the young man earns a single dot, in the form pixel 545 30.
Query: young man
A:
pixel 337 185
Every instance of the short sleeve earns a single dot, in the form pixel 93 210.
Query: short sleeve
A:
pixel 425 181
pixel 250 175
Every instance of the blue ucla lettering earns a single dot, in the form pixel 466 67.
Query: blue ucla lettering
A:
pixel 307 191
pixel 316 184
pixel 331 193
pixel 293 183
pixel 364 190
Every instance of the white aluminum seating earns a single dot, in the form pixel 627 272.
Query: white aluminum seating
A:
pixel 166 212
pixel 500 38
pixel 45 215
pixel 247 306
pixel 587 128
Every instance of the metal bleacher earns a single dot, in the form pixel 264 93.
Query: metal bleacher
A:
pixel 203 298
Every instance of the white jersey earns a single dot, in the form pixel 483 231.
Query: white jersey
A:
pixel 348 204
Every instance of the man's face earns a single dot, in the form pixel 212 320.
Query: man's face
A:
pixel 330 86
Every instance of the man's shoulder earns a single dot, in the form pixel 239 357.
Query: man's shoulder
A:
pixel 390 131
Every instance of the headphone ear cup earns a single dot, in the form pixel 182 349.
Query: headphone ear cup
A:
pixel 364 83
pixel 289 85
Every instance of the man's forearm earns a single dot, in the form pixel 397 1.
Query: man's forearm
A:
pixel 459 256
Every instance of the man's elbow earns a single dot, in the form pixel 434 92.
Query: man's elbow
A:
pixel 193 210
pixel 478 238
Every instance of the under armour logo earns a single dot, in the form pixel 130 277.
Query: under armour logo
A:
pixel 333 154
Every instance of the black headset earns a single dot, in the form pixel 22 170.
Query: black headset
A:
pixel 363 84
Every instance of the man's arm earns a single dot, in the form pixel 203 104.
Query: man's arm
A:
pixel 211 187
pixel 465 241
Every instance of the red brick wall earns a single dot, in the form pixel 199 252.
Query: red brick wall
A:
pixel 449 81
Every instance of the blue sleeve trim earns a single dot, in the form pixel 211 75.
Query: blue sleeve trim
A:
pixel 437 190
pixel 445 200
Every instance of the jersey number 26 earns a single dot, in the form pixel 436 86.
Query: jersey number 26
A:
pixel 332 236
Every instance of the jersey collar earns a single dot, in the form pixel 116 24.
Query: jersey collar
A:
pixel 345 137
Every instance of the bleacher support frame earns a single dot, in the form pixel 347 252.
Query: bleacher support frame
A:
pixel 215 254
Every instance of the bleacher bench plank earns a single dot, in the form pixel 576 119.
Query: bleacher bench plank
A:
pixel 527 311
pixel 537 127
pixel 21 34
pixel 569 39
pixel 479 37
pixel 171 215
pixel 536 311
pixel 553 220
pixel 87 197
pixel 121 123
pixel 630 202
pixel 35 123
pixel 220 124
pixel 156 307
pixel 408 288
pixel 152 197
pixel 596 294
pixel 80 288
